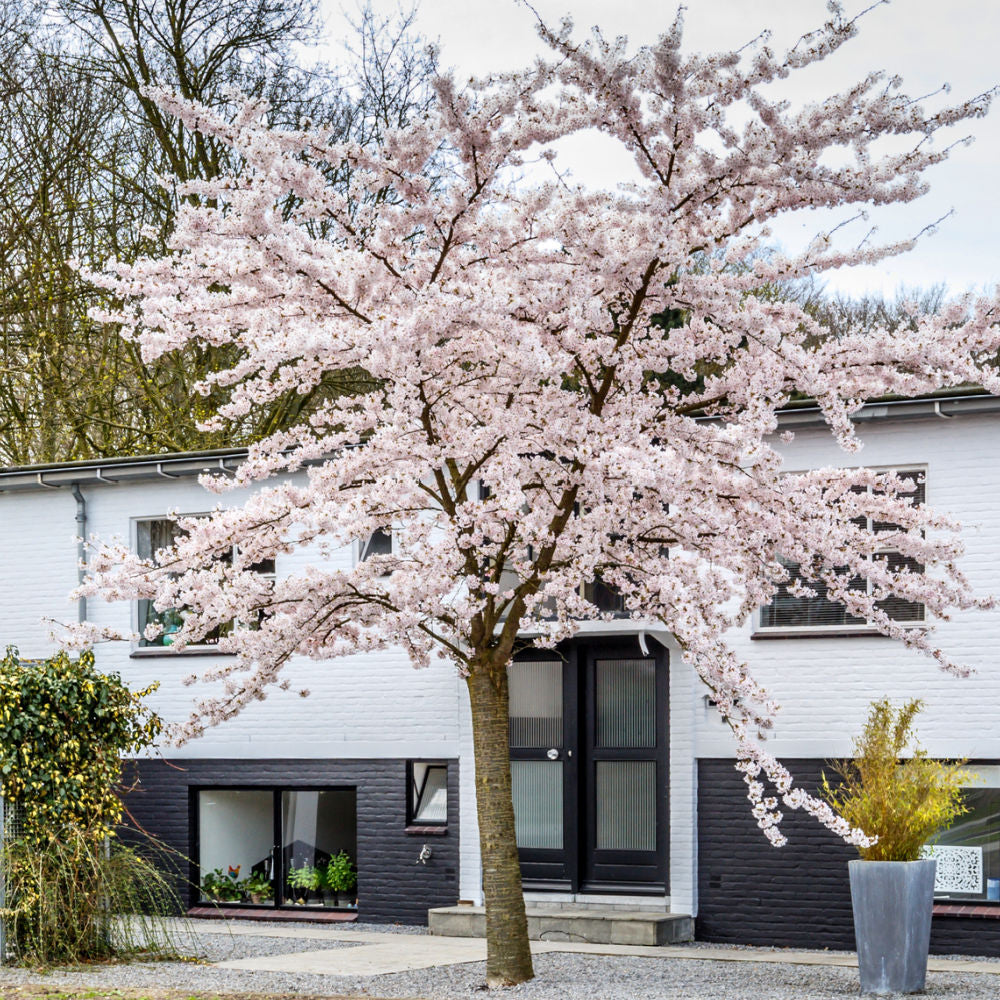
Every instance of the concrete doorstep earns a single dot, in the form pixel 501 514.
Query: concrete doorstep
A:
pixel 570 923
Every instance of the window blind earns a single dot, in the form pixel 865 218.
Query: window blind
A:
pixel 788 610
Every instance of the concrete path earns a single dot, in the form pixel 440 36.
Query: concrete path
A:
pixel 394 953
pixel 376 954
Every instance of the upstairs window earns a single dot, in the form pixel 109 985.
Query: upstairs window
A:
pixel 378 543
pixel 153 534
pixel 790 611
pixel 605 598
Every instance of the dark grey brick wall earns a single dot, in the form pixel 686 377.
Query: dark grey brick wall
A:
pixel 752 893
pixel 795 896
pixel 953 935
pixel 391 886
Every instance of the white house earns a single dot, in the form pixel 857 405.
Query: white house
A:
pixel 623 773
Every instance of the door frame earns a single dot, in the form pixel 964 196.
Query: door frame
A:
pixel 566 870
pixel 652 873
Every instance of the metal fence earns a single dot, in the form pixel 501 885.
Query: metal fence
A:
pixel 11 828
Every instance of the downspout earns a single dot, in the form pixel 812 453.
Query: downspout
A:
pixel 81 548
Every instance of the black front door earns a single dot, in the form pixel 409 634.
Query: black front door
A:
pixel 544 752
pixel 588 737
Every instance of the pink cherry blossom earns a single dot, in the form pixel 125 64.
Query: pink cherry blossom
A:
pixel 533 421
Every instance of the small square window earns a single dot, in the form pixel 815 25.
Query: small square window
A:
pixel 427 802
pixel 378 543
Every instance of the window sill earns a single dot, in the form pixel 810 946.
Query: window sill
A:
pixel 144 652
pixel 982 911
pixel 208 911
pixel 426 831
pixel 816 633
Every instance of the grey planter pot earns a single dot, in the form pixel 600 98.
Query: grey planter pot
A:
pixel 893 901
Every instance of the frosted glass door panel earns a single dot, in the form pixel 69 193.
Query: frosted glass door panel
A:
pixel 536 703
pixel 626 703
pixel 626 805
pixel 538 803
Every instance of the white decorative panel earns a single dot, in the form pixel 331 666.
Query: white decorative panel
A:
pixel 959 869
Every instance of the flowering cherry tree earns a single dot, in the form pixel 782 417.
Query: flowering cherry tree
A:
pixel 565 384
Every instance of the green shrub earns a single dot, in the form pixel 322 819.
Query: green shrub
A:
pixel 73 891
pixel 903 801
pixel 64 728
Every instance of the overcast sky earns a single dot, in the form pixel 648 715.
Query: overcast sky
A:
pixel 927 42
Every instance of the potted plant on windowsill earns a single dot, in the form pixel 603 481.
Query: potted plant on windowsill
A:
pixel 258 888
pixel 212 885
pixel 220 888
pixel 901 803
pixel 306 880
pixel 339 878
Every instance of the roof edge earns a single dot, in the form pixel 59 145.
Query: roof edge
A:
pixel 190 464
pixel 924 408
pixel 109 471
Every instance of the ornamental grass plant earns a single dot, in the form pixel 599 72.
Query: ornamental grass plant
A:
pixel 892 790
pixel 82 898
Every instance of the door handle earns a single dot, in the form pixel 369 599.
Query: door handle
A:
pixel 552 754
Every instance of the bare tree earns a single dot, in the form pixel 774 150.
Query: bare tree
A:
pixel 842 314
pixel 82 153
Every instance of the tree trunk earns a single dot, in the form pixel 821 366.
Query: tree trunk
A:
pixel 508 956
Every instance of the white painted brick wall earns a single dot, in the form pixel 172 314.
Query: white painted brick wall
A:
pixel 365 706
pixel 683 858
pixel 378 706
pixel 37 539
pixel 825 685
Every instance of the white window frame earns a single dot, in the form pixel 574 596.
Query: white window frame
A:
pixel 988 779
pixel 859 628
pixel 416 786
pixel 140 647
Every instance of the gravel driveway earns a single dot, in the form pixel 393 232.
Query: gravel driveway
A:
pixel 559 976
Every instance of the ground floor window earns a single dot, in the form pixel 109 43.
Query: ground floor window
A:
pixel 277 847
pixel 427 803
pixel 968 853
